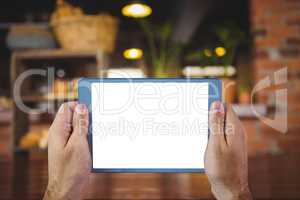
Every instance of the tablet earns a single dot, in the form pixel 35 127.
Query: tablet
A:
pixel 148 125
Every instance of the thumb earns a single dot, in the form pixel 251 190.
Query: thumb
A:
pixel 216 123
pixel 80 120
pixel 61 127
pixel 234 128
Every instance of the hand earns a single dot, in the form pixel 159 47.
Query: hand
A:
pixel 69 160
pixel 226 162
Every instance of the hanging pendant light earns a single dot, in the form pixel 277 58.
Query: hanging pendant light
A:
pixel 133 53
pixel 136 9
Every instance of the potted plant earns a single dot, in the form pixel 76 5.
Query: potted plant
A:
pixel 244 93
pixel 230 37
pixel 163 54
pixel 219 56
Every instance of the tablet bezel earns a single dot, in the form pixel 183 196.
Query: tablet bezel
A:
pixel 84 94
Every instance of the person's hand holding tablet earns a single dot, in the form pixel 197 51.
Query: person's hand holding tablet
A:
pixel 226 161
pixel 70 161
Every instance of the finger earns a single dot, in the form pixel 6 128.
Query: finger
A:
pixel 61 127
pixel 216 124
pixel 233 126
pixel 80 120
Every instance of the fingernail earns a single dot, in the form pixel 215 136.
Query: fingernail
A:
pixel 217 106
pixel 81 109
pixel 62 109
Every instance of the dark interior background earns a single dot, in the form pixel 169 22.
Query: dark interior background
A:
pixel 218 11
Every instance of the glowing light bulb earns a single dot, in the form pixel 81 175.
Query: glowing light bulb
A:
pixel 207 53
pixel 220 51
pixel 133 53
pixel 136 10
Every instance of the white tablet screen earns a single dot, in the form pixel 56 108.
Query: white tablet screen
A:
pixel 144 125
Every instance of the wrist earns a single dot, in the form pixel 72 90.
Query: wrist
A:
pixel 53 192
pixel 242 195
pixel 231 193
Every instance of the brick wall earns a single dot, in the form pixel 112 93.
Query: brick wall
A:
pixel 275 25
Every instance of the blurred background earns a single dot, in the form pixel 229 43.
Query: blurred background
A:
pixel 240 41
